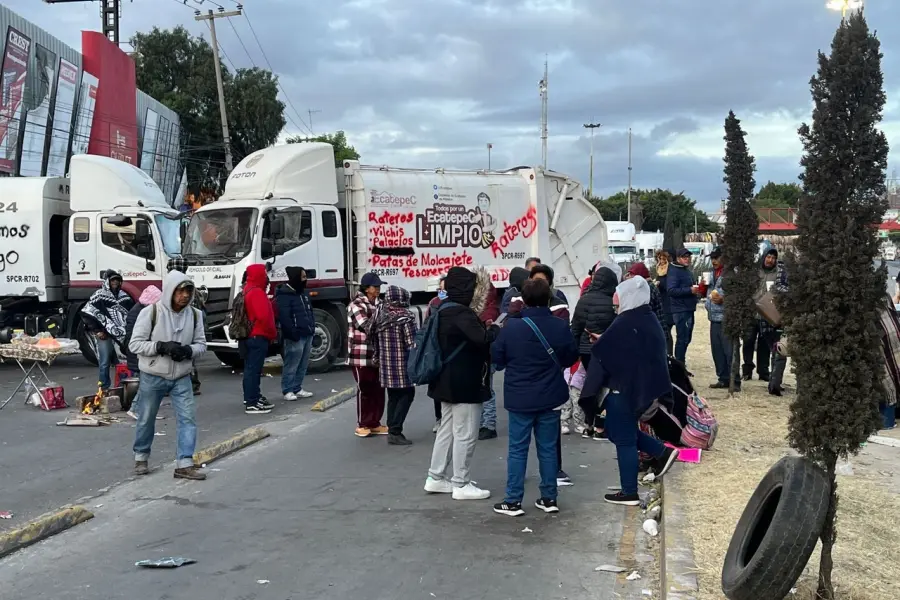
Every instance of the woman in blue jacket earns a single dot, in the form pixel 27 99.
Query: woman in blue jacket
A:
pixel 298 324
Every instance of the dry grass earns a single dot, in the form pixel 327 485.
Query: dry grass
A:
pixel 752 437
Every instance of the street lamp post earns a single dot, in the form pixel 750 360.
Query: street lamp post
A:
pixel 489 146
pixel 592 127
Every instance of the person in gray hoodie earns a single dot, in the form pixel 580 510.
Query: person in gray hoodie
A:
pixel 167 337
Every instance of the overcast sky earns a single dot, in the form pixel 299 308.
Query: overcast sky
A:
pixel 428 84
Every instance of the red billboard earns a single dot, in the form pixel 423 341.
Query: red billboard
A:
pixel 114 130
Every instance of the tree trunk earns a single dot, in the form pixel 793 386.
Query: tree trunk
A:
pixel 825 590
pixel 735 365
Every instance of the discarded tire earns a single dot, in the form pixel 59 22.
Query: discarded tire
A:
pixel 778 531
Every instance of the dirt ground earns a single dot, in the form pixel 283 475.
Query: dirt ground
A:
pixel 752 437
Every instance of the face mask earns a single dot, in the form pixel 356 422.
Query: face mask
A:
pixel 442 294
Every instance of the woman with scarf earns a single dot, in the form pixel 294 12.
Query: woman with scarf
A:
pixel 628 371
pixel 392 331
pixel 105 316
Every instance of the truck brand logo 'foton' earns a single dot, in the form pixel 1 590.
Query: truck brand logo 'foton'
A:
pixel 244 175
pixel 254 161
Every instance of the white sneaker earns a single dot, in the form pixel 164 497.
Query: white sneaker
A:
pixel 290 397
pixel 470 492
pixel 132 414
pixel 438 486
pixel 304 394
pixel 566 430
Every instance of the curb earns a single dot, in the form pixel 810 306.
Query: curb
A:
pixel 334 400
pixel 232 444
pixel 677 568
pixel 43 527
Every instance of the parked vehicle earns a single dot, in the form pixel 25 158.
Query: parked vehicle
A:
pixel 622 245
pixel 649 243
pixel 288 205
pixel 60 234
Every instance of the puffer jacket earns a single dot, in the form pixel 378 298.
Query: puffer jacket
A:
pixel 294 313
pixel 678 285
pixel 595 312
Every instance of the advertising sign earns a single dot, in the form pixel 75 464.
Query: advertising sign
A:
pixel 12 89
pixel 87 100
pixel 148 147
pixel 63 111
pixel 35 137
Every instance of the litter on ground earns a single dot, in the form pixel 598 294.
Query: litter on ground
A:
pixel 634 576
pixel 610 569
pixel 5 514
pixel 170 562
pixel 526 530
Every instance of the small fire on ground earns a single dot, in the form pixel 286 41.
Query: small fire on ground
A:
pixel 91 405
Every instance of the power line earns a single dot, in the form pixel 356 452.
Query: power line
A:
pixel 238 36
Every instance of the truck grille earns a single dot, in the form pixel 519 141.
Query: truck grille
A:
pixel 217 311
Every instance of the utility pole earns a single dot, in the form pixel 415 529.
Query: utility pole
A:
pixel 629 175
pixel 211 17
pixel 592 127
pixel 489 146
pixel 542 86
pixel 311 111
pixel 110 12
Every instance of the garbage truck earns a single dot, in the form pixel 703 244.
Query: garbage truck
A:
pixel 289 206
pixel 60 234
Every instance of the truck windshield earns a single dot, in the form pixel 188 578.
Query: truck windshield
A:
pixel 170 232
pixel 221 233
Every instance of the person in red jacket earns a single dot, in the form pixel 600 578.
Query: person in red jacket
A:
pixel 262 333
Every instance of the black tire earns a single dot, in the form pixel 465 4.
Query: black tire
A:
pixel 326 342
pixel 777 532
pixel 230 358
pixel 86 343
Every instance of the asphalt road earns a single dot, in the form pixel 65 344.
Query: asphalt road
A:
pixel 316 513
pixel 43 466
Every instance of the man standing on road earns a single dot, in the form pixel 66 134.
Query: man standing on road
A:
pixel 369 393
pixel 166 337
pixel 722 347
pixel 178 263
pixel 682 293
pixel 298 324
pixel 262 334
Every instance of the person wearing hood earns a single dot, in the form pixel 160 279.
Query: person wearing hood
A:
pixel 656 306
pixel 167 336
pixel 150 295
pixel 485 305
pixel 759 338
pixel 294 314
pixel 262 333
pixel 462 386
pixel 629 371
pixel 393 333
pixel 363 360
pixel 517 278
pixel 104 317
pixel 179 263
pixel 682 291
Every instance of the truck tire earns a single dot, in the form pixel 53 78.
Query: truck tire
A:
pixel 777 532
pixel 231 359
pixel 86 343
pixel 326 342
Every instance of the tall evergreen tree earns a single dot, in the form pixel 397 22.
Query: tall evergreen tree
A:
pixel 831 310
pixel 739 244
pixel 669 230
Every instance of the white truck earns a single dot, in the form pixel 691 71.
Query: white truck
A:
pixel 623 246
pixel 288 206
pixel 649 243
pixel 60 234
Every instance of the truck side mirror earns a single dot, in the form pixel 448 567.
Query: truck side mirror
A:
pixel 276 227
pixel 142 232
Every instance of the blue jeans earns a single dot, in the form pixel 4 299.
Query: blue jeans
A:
pixel 622 429
pixel 106 358
pixel 255 350
pixel 545 425
pixel 153 390
pixel 489 408
pixel 684 329
pixel 722 351
pixel 295 356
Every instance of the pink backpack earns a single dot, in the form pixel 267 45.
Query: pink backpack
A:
pixel 701 427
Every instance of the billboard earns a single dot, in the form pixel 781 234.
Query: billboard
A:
pixel 12 90
pixel 35 136
pixel 148 147
pixel 87 101
pixel 63 111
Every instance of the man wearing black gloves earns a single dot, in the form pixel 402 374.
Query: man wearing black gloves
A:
pixel 167 336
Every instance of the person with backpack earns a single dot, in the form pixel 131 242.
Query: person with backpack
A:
pixel 167 336
pixel 534 350
pixel 629 371
pixel 392 330
pixel 254 319
pixel 149 296
pixel 298 324
pixel 363 361
pixel 462 385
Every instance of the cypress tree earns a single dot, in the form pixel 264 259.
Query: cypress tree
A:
pixel 669 230
pixel 739 245
pixel 830 311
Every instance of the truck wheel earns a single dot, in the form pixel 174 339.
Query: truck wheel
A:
pixel 232 359
pixel 86 343
pixel 777 532
pixel 326 342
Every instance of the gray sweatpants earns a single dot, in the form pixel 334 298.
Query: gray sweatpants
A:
pixel 455 442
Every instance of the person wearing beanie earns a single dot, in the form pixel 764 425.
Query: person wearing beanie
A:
pixel 294 314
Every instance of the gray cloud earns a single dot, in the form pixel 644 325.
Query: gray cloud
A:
pixel 430 86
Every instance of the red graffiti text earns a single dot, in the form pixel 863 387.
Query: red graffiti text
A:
pixel 524 226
